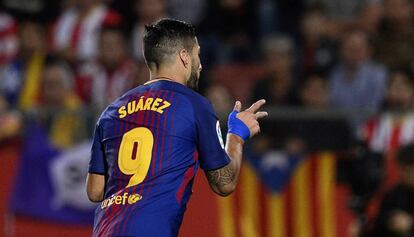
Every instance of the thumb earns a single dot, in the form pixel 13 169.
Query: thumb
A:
pixel 237 106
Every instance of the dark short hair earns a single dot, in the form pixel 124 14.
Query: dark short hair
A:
pixel 53 61
pixel 405 155
pixel 166 37
pixel 405 72
pixel 111 29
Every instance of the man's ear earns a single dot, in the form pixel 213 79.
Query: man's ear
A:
pixel 185 57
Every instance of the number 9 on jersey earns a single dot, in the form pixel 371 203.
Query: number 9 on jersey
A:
pixel 135 153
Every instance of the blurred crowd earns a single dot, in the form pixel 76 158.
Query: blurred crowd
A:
pixel 63 62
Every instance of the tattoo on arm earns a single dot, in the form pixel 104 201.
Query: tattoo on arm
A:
pixel 221 177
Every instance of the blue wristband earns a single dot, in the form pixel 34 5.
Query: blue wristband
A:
pixel 237 127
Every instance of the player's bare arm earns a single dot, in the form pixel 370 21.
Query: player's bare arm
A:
pixel 95 187
pixel 223 181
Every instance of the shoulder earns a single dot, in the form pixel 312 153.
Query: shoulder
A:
pixel 376 67
pixel 186 95
pixel 195 103
pixel 378 74
pixel 200 103
pixel 112 109
pixel 104 116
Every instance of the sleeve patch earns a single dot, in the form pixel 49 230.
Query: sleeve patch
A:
pixel 220 137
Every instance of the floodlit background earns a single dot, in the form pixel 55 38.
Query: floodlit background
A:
pixel 337 76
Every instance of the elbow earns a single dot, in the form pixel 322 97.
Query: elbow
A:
pixel 95 197
pixel 95 194
pixel 224 194
pixel 95 186
pixel 225 191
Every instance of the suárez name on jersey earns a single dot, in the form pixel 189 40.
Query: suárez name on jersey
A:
pixel 155 104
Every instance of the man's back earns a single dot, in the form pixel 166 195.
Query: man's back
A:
pixel 146 144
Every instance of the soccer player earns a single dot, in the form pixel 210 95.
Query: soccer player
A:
pixel 149 143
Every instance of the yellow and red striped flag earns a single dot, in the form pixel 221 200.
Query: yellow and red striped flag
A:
pixel 305 207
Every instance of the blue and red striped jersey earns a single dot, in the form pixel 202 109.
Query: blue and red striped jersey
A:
pixel 149 144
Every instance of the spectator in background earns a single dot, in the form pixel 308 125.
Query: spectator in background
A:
pixel 58 112
pixel 370 17
pixel 396 216
pixel 395 125
pixel 147 12
pixel 394 45
pixel 76 31
pixel 8 38
pixel 20 79
pixel 319 49
pixel 379 137
pixel 314 92
pixel 278 85
pixel 400 93
pixel 357 83
pixel 111 75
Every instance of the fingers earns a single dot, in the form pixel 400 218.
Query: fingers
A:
pixel 256 106
pixel 237 106
pixel 250 117
pixel 255 130
pixel 260 114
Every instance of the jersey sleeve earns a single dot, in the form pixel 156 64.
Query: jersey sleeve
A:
pixel 97 161
pixel 210 145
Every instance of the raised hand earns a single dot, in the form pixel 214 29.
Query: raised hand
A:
pixel 250 116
